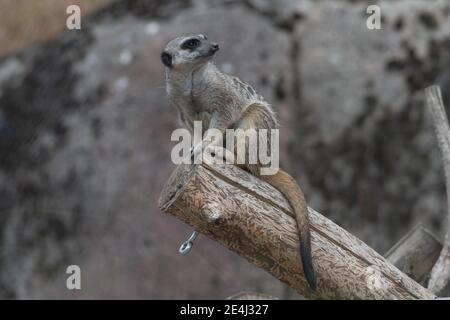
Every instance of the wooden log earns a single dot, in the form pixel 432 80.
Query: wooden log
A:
pixel 416 253
pixel 252 296
pixel 253 219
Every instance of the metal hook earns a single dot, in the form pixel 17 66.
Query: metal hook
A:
pixel 186 246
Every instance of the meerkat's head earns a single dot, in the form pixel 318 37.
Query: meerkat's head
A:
pixel 188 52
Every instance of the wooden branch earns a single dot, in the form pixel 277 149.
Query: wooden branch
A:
pixel 440 275
pixel 253 219
pixel 252 296
pixel 416 253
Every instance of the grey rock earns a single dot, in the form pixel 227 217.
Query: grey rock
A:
pixel 90 173
pixel 362 113
pixel 85 128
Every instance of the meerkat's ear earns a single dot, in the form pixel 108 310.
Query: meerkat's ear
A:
pixel 203 36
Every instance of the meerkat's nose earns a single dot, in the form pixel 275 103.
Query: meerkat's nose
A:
pixel 215 47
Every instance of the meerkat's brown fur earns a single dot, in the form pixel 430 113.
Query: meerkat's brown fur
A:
pixel 201 92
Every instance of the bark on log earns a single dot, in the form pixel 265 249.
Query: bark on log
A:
pixel 252 296
pixel 253 219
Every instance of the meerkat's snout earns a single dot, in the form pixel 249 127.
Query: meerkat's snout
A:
pixel 214 47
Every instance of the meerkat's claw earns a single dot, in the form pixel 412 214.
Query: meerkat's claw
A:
pixel 192 153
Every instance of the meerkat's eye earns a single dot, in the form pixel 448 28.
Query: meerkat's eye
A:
pixel 190 44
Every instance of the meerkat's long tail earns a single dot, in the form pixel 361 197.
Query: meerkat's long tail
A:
pixel 290 189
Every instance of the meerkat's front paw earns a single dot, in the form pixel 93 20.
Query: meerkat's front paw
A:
pixel 196 151
pixel 219 155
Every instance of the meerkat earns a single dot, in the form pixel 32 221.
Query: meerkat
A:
pixel 201 92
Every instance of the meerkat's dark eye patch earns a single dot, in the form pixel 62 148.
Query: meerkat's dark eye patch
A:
pixel 166 59
pixel 190 44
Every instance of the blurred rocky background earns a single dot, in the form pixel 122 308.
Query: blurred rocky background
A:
pixel 85 134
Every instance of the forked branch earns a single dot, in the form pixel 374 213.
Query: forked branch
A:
pixel 440 275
